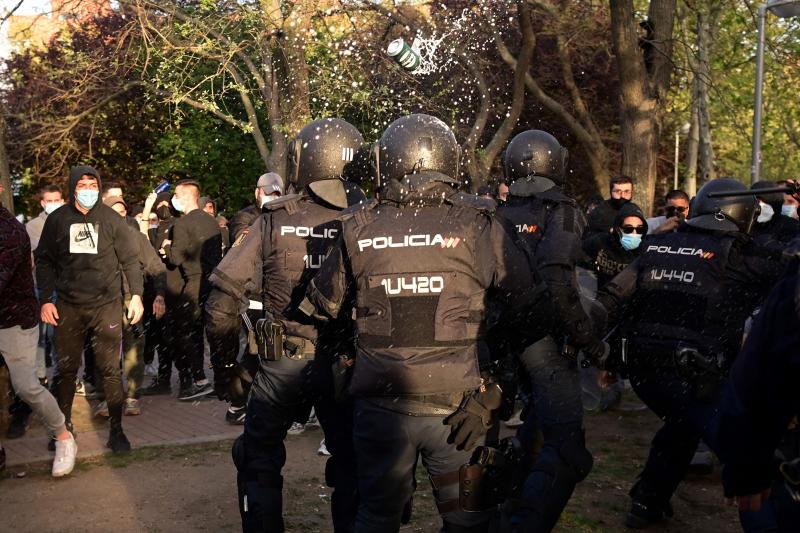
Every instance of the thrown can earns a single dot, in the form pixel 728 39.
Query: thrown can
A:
pixel 161 187
pixel 406 57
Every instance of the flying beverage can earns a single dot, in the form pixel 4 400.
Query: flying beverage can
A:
pixel 406 57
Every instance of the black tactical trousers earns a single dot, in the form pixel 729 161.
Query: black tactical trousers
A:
pixel 284 392
pixel 387 444
pixel 184 332
pixel 557 411
pixel 102 327
pixel 686 420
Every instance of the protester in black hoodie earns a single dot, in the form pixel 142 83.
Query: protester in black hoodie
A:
pixel 613 251
pixel 84 249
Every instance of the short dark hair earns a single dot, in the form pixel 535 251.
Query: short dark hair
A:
pixel 189 183
pixel 111 185
pixel 676 194
pixel 619 180
pixel 50 187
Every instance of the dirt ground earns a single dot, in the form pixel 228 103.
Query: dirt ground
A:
pixel 193 489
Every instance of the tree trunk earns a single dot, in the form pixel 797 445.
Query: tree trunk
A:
pixel 705 40
pixel 644 68
pixel 692 148
pixel 7 196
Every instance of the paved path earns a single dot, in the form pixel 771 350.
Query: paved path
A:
pixel 164 421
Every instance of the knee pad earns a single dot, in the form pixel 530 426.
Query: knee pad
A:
pixel 577 458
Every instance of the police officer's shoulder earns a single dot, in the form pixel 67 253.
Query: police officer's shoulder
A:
pixel 353 210
pixel 287 202
pixel 556 196
pixel 461 199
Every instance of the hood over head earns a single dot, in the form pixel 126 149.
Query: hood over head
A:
pixel 75 174
pixel 630 209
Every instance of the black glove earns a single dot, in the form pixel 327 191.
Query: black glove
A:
pixel 231 382
pixel 597 352
pixel 473 417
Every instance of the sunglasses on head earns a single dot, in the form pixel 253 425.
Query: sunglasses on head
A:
pixel 627 228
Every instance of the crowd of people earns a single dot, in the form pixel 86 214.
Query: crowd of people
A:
pixel 411 322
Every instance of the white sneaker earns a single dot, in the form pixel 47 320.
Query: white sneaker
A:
pixel 312 420
pixel 151 370
pixel 66 450
pixel 515 421
pixel 323 450
pixel 296 429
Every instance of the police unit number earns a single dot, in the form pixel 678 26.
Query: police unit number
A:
pixel 414 285
pixel 686 276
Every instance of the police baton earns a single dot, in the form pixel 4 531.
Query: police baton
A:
pixel 789 189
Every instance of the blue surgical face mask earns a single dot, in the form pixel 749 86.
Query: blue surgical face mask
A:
pixel 177 204
pixel 630 241
pixel 87 198
pixel 50 207
pixel 789 211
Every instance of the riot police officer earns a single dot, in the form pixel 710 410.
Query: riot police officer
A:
pixel 290 241
pixel 687 297
pixel 423 261
pixel 552 224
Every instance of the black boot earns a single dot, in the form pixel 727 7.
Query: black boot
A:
pixel 646 508
pixel 117 440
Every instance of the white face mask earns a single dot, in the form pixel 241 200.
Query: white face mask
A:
pixel 267 198
pixel 766 213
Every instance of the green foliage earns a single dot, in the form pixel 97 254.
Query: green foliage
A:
pixel 223 159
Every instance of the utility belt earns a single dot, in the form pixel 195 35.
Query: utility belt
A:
pixel 268 339
pixel 703 369
pixel 483 483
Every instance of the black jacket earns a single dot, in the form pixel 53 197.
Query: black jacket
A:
pixel 242 220
pixel 604 249
pixel 761 396
pixel 82 257
pixel 196 247
pixel 601 219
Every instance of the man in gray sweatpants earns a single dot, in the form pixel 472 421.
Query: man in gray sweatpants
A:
pixel 19 336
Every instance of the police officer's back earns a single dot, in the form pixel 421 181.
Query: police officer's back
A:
pixel 284 247
pixel 423 262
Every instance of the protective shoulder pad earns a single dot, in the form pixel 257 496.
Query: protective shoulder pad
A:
pixel 483 205
pixel 354 211
pixel 556 196
pixel 290 203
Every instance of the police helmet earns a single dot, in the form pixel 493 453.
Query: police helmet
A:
pixel 413 144
pixel 324 149
pixel 724 213
pixel 536 157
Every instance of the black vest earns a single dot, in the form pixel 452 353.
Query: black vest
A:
pixel 302 234
pixel 419 299
pixel 686 293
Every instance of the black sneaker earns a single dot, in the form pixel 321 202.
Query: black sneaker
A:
pixel 193 391
pixel 642 516
pixel 235 415
pixel 118 442
pixel 157 389
pixel 18 425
